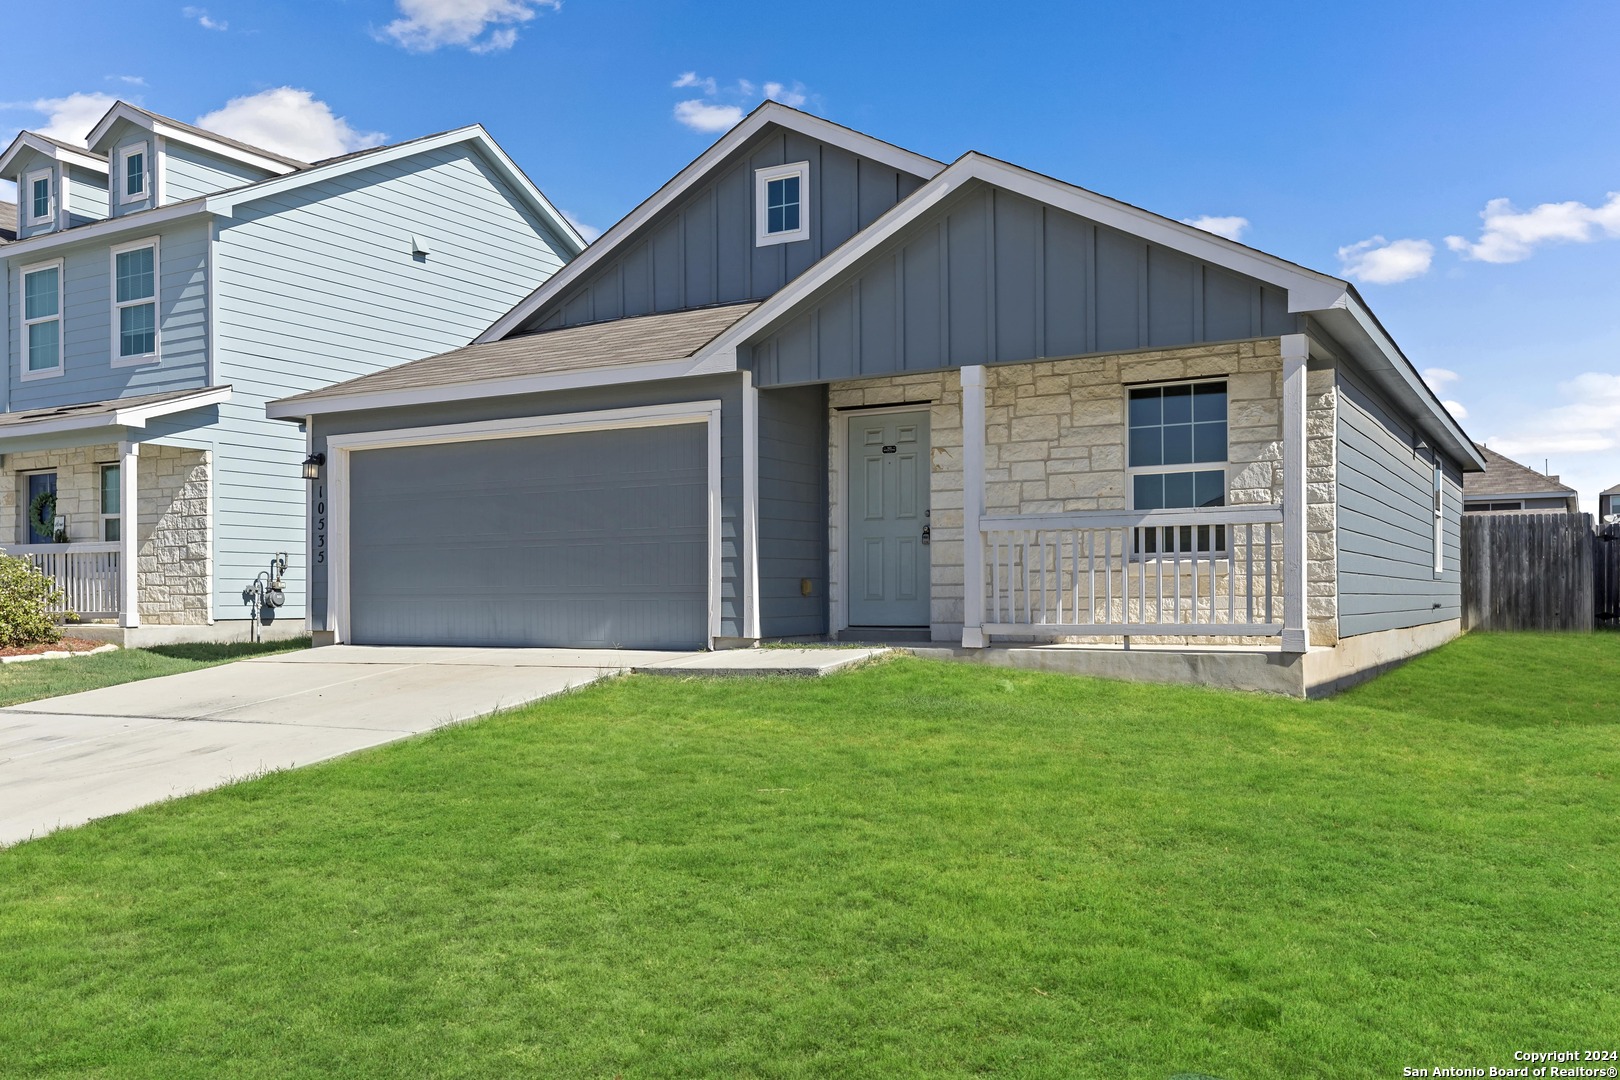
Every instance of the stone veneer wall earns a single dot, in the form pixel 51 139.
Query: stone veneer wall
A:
pixel 175 567
pixel 1055 442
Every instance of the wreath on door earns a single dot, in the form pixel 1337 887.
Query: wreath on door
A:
pixel 42 514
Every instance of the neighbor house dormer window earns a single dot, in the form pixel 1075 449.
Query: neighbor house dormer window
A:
pixel 41 287
pixel 132 173
pixel 39 197
pixel 782 204
pixel 134 322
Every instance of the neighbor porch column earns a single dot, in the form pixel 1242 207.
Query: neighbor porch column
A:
pixel 129 602
pixel 1295 358
pixel 972 506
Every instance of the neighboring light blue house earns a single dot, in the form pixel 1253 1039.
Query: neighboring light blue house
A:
pixel 820 386
pixel 164 282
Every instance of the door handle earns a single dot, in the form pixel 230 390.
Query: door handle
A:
pixel 926 535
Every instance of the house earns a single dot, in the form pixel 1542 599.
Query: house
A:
pixel 1507 485
pixel 820 386
pixel 1609 504
pixel 162 284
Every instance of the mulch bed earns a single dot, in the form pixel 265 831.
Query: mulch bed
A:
pixel 67 644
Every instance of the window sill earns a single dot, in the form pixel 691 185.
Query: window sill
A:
pixel 136 361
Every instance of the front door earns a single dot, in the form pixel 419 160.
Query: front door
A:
pixel 39 485
pixel 888 519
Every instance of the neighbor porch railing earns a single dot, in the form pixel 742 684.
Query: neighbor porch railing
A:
pixel 87 574
pixel 1195 573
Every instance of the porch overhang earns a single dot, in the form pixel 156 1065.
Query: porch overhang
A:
pixel 117 420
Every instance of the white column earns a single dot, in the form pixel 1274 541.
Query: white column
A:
pixel 129 456
pixel 750 507
pixel 972 506
pixel 1295 355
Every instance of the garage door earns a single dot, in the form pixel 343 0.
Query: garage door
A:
pixel 596 539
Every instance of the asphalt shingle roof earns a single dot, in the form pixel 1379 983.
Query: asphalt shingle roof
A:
pixel 1504 476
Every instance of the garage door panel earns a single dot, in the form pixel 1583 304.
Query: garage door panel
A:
pixel 591 538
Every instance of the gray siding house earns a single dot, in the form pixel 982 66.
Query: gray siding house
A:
pixel 820 386
pixel 163 284
pixel 1609 504
pixel 1507 485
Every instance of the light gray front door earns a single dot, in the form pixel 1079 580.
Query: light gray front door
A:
pixel 596 538
pixel 888 519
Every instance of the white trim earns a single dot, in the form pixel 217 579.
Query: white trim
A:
pixel 138 359
pixel 1439 495
pixel 160 169
pixel 28 140
pixel 973 451
pixel 839 620
pixel 59 318
pixel 750 506
pixel 768 113
pixel 340 447
pixel 1295 361
pixel 26 193
pixel 1223 466
pixel 120 167
pixel 102 517
pixel 64 192
pixel 159 126
pixel 763 179
pixel 134 417
pixel 295 408
pixel 128 539
pixel 139 221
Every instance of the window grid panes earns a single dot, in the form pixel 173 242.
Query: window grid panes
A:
pixel 782 205
pixel 40 196
pixel 135 173
pixel 1170 429
pixel 135 291
pixel 111 493
pixel 42 306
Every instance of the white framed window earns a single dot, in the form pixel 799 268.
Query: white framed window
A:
pixel 1439 517
pixel 38 197
pixel 782 204
pixel 134 302
pixel 112 495
pixel 1176 460
pixel 40 300
pixel 132 172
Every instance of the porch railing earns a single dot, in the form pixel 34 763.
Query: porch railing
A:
pixel 87 574
pixel 1206 573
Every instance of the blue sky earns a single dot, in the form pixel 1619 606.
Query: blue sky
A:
pixel 1355 139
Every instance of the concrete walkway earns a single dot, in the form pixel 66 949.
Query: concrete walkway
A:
pixel 68 760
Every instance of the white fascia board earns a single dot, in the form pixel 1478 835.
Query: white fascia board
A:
pixel 769 113
pixel 156 125
pixel 297 409
pixel 27 140
pixel 118 420
pixel 139 221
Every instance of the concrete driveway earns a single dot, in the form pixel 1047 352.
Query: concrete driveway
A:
pixel 68 760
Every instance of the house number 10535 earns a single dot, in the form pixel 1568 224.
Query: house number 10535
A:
pixel 320 524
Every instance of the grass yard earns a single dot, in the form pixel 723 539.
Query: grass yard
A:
pixel 52 678
pixel 911 869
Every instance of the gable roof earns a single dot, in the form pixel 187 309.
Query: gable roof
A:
pixel 1611 491
pixel 1505 477
pixel 769 113
pixel 624 350
pixel 53 148
pixel 192 135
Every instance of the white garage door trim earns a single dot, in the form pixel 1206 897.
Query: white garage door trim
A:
pixel 340 447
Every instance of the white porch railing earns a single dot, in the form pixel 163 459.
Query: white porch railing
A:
pixel 1204 573
pixel 87 574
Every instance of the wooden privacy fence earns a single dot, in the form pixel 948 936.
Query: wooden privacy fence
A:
pixel 1529 572
pixel 1606 574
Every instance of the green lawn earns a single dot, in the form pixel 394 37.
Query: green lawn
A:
pixel 53 678
pixel 909 869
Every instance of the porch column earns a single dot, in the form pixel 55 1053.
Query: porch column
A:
pixel 129 602
pixel 1295 357
pixel 972 506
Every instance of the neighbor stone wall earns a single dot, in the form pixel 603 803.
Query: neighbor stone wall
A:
pixel 175 564
pixel 1055 442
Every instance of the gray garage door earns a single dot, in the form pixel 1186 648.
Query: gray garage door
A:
pixel 591 539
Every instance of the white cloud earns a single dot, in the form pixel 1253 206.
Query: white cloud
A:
pixel 130 80
pixel 1439 378
pixel 1230 227
pixel 705 116
pixel 289 121
pixel 1456 409
pixel 589 232
pixel 1513 235
pixel 479 26
pixel 204 20
pixel 1583 434
pixel 1385 262
pixel 67 119
pixel 721 107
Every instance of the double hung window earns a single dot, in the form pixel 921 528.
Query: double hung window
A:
pixel 42 320
pixel 134 311
pixel 1177 461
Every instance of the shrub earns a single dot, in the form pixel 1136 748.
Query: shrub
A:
pixel 26 599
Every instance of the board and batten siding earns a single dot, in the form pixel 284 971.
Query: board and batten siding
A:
pixel 996 277
pixel 701 250
pixel 189 172
pixel 319 285
pixel 88 372
pixel 727 389
pixel 792 511
pixel 1386 520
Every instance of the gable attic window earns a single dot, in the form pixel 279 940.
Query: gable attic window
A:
pixel 38 197
pixel 782 204
pixel 131 173
pixel 134 322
